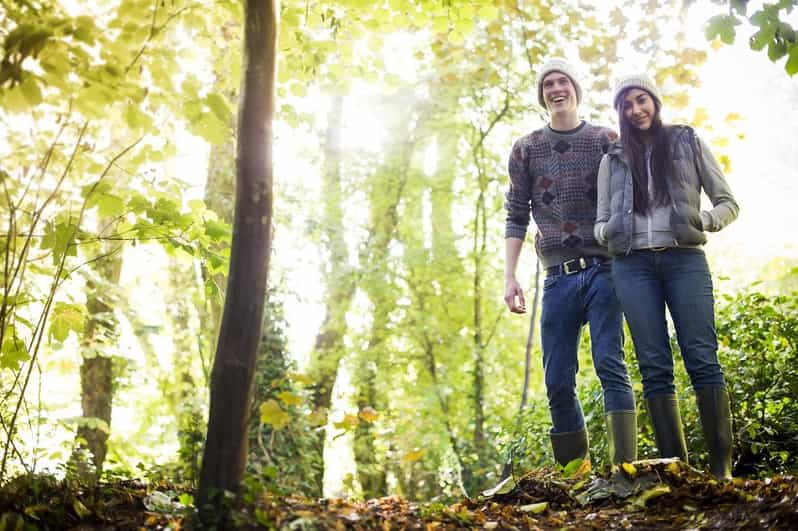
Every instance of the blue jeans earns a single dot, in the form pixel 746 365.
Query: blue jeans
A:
pixel 646 281
pixel 570 301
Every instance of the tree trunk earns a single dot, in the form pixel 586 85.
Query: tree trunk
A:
pixel 96 376
pixel 340 287
pixel 225 453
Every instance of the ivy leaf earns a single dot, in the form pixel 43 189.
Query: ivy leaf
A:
pixel 271 413
pixel 66 318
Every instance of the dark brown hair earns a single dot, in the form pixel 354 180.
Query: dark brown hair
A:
pixel 661 156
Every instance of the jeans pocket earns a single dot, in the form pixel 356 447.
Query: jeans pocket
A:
pixel 550 281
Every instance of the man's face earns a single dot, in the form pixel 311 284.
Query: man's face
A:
pixel 559 93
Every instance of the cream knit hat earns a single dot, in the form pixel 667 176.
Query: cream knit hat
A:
pixel 558 64
pixel 640 81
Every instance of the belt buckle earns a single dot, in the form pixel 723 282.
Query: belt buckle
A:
pixel 581 265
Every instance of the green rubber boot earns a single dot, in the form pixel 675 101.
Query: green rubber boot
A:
pixel 667 423
pixel 713 407
pixel 569 445
pixel 621 436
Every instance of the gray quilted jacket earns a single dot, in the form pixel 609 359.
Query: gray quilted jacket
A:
pixel 695 169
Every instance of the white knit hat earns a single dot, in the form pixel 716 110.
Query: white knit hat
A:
pixel 640 81
pixel 558 64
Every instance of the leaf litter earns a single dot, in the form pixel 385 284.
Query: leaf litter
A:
pixel 650 494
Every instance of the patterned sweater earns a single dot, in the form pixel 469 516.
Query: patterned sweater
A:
pixel 553 175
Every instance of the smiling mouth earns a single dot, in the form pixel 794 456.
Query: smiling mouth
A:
pixel 558 99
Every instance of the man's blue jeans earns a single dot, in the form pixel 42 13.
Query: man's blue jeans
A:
pixel 570 301
pixel 646 281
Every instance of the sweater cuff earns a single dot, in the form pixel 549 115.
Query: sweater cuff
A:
pixel 706 220
pixel 514 231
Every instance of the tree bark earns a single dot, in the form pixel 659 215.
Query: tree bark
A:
pixel 225 453
pixel 340 287
pixel 96 376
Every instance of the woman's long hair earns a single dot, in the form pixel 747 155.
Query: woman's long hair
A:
pixel 661 157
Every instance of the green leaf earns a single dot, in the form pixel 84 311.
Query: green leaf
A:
pixel 31 91
pixel 13 352
pixel 792 63
pixel 721 26
pixel 219 106
pixel 138 204
pixel 776 50
pixel 66 318
pixel 289 398
pixel 110 206
pixel 217 229
pixel 488 13
pixel 136 119
pixel 739 6
pixel 271 413
pixel 534 508
pixel 762 38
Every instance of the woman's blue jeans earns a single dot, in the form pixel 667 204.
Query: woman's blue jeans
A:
pixel 570 301
pixel 646 282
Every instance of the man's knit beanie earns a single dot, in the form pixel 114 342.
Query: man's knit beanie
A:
pixel 640 81
pixel 558 64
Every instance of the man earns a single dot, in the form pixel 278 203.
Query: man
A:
pixel 553 174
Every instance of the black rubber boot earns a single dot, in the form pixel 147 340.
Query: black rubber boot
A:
pixel 667 423
pixel 713 407
pixel 621 436
pixel 569 446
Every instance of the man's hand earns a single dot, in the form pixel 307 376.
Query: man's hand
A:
pixel 514 296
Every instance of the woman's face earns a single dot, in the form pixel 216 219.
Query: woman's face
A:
pixel 638 108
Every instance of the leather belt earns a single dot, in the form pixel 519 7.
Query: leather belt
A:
pixel 575 265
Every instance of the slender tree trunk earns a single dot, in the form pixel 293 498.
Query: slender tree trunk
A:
pixel 96 374
pixel 340 287
pixel 225 453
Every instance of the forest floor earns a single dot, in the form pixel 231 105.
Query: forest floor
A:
pixel 656 494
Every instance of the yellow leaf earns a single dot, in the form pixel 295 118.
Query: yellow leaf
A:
pixel 317 417
pixel 301 379
pixel 271 413
pixel 368 414
pixel 80 509
pixel 534 508
pixel 630 469
pixel 299 90
pixel 349 422
pixel 410 457
pixel 716 44
pixel 290 398
pixel 652 493
pixel 488 13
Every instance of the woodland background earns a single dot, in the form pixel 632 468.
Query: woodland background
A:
pixel 388 363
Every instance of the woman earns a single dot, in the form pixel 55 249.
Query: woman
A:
pixel 648 215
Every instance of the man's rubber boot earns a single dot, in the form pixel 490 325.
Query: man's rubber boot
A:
pixel 569 445
pixel 667 423
pixel 621 436
pixel 713 407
